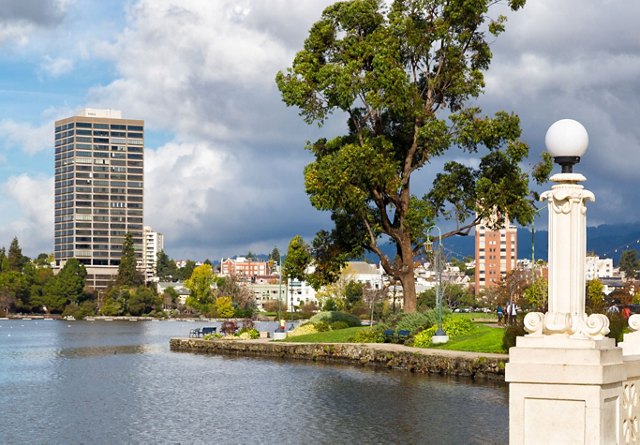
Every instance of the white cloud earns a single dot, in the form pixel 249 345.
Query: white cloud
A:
pixel 210 72
pixel 33 224
pixel 178 178
pixel 28 138
pixel 17 33
pixel 56 66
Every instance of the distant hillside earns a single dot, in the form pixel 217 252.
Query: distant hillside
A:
pixel 607 240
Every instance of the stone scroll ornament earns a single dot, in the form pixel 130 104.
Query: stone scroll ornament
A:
pixel 567 242
pixel 594 326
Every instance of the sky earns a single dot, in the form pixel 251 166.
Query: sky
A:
pixel 224 157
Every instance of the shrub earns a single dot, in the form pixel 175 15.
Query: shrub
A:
pixel 303 329
pixel 248 334
pixel 373 335
pixel 617 325
pixel 247 323
pixel 248 331
pixel 322 326
pixel 454 327
pixel 338 325
pixel 417 321
pixel 512 331
pixel 333 316
pixel 229 327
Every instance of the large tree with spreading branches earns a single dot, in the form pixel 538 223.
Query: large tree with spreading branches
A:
pixel 406 75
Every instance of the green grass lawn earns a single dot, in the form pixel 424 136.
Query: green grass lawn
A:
pixel 483 338
pixel 339 336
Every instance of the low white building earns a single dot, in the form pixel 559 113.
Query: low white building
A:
pixel 596 267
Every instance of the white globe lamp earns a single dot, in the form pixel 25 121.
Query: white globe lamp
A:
pixel 567 141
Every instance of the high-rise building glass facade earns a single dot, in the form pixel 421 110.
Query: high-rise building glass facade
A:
pixel 99 180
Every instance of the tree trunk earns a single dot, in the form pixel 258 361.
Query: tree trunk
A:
pixel 408 288
pixel 404 271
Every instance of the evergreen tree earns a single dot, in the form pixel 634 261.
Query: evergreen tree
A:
pixel 128 274
pixel 66 287
pixel 4 262
pixel 275 255
pixel 16 260
pixel 187 270
pixel 166 268
pixel 629 264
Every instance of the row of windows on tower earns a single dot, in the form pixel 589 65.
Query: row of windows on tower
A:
pixel 98 133
pixel 99 126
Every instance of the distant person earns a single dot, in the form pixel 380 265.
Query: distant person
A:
pixel 507 314
pixel 513 311
pixel 626 312
pixel 500 314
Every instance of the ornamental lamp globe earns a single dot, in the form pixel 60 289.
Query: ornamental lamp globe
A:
pixel 566 141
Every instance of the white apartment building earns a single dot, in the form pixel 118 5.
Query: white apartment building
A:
pixel 153 243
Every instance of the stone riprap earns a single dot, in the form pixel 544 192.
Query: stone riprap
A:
pixel 422 361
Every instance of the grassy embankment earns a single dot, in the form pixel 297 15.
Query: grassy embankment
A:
pixel 483 338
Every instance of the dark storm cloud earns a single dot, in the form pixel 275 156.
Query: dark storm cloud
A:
pixel 44 13
pixel 579 60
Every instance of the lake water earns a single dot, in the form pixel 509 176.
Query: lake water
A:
pixel 79 382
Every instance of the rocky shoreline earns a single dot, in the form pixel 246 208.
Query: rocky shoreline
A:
pixel 379 355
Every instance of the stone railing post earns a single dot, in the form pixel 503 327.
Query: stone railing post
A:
pixel 565 377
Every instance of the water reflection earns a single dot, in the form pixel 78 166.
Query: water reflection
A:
pixel 117 382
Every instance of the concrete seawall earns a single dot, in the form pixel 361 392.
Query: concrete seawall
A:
pixel 383 355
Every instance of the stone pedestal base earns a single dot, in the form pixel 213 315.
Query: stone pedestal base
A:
pixel 439 339
pixel 564 391
pixel 279 335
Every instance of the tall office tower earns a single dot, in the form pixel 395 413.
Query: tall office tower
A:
pixel 496 254
pixel 99 177
pixel 153 244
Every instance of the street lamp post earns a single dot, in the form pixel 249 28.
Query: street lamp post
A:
pixel 567 141
pixel 280 291
pixel 440 336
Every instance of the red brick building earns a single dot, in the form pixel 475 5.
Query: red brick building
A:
pixel 242 267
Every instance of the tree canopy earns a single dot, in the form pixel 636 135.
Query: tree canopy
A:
pixel 406 76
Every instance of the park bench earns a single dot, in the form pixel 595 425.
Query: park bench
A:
pixel 395 336
pixel 388 334
pixel 201 332
pixel 209 330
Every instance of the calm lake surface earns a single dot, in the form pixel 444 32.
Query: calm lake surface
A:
pixel 79 382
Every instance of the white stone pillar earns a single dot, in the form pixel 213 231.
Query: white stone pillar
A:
pixel 565 377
